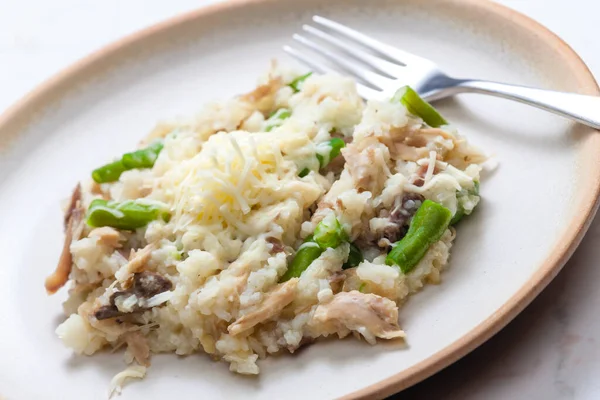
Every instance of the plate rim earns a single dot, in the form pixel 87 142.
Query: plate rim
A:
pixel 16 117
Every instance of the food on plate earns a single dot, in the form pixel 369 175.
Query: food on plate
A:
pixel 272 219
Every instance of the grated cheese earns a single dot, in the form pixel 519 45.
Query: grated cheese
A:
pixel 234 176
pixel 430 166
pixel 131 372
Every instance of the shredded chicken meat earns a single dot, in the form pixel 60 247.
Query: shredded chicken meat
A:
pixel 367 164
pixel 137 345
pixel 274 302
pixel 368 314
pixel 137 263
pixel 263 96
pixel 107 235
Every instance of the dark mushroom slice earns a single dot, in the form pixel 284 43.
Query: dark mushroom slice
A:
pixel 146 284
pixel 73 228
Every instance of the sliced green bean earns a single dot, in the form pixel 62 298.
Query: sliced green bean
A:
pixel 325 153
pixel 143 158
pixel 127 215
pixel 355 257
pixel 329 150
pixel 460 195
pixel 419 107
pixel 308 252
pixel 297 83
pixel 329 232
pixel 276 119
pixel 426 227
pixel 109 172
pixel 304 172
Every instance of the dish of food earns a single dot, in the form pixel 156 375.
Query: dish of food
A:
pixel 272 219
pixel 504 253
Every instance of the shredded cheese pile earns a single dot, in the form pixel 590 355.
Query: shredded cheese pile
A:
pixel 233 175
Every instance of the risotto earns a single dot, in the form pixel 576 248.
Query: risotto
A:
pixel 265 222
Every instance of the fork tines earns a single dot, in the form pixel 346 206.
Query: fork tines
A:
pixel 374 64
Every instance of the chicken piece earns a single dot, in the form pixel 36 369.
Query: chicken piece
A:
pixel 137 263
pixel 351 281
pixel 431 133
pixel 336 280
pixel 138 347
pixel 96 188
pixel 408 153
pixel 274 302
pixel 367 163
pixel 368 314
pixel 263 96
pixel 107 235
pixel 330 198
pixel 138 259
pixel 73 223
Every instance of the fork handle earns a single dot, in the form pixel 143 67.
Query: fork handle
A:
pixel 579 107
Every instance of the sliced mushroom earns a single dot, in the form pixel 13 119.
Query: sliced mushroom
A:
pixel 390 225
pixel 106 312
pixel 404 208
pixel 145 285
pixel 74 204
pixel 73 228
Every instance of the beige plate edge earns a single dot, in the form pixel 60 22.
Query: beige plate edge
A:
pixel 17 117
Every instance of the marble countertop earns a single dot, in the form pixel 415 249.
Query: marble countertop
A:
pixel 550 351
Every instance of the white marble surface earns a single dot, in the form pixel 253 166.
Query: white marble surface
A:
pixel 551 351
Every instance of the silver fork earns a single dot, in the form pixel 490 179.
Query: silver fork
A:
pixel 380 69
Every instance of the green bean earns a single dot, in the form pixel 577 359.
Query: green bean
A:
pixel 304 172
pixel 355 257
pixel 419 107
pixel 329 150
pixel 460 195
pixel 109 172
pixel 308 252
pixel 329 232
pixel 276 119
pixel 296 84
pixel 426 227
pixel 326 152
pixel 459 214
pixel 127 215
pixel 143 158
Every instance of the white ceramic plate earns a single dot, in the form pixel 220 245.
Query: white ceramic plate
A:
pixel 535 206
